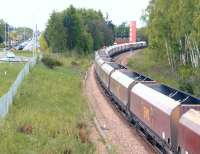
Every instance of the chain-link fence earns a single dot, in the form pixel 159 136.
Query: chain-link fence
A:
pixel 7 99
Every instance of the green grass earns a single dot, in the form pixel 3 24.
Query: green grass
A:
pixel 160 71
pixel 50 102
pixel 23 53
pixel 8 74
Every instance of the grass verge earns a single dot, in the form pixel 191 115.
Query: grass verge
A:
pixel 8 74
pixel 184 78
pixel 23 53
pixel 49 115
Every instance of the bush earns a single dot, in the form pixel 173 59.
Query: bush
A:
pixel 43 43
pixel 51 62
pixel 186 82
pixel 2 45
pixel 186 86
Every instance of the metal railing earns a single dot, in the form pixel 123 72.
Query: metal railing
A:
pixel 7 99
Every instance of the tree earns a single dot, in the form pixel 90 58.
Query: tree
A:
pixel 84 30
pixel 2 31
pixel 55 33
pixel 122 31
pixel 43 43
pixel 173 30
pixel 24 33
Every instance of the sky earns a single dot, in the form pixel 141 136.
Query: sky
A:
pixel 31 12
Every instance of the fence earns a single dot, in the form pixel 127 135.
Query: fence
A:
pixel 7 99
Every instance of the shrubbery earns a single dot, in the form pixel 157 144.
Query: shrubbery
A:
pixel 2 45
pixel 186 86
pixel 185 82
pixel 51 62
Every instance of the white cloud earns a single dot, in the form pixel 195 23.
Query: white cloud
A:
pixel 30 12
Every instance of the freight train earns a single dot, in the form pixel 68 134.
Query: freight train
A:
pixel 169 118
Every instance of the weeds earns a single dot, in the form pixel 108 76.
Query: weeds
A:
pixel 47 111
pixel 51 62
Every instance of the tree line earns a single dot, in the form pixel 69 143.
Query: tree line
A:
pixel 173 31
pixel 2 31
pixel 14 33
pixel 78 30
pixel 121 31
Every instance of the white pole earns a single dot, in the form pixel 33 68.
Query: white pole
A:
pixel 24 34
pixel 36 38
pixel 8 37
pixel 33 42
pixel 5 35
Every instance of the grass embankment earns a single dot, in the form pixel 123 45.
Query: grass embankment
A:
pixel 184 78
pixel 23 53
pixel 49 115
pixel 8 74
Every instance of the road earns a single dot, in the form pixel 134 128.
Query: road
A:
pixel 4 58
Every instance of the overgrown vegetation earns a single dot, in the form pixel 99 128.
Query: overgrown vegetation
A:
pixel 23 53
pixel 81 30
pixel 2 31
pixel 184 78
pixel 51 61
pixel 8 74
pixel 173 31
pixel 2 45
pixel 49 114
pixel 43 43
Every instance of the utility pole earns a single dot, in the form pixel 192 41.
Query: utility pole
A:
pixel 8 37
pixel 24 34
pixel 33 44
pixel 5 35
pixel 36 38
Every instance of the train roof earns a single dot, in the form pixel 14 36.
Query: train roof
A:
pixel 175 94
pixel 191 120
pixel 107 59
pixel 102 53
pixel 116 66
pixel 107 67
pixel 122 78
pixel 136 76
pixel 155 98
pixel 100 61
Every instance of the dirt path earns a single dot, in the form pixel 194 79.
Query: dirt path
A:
pixel 115 130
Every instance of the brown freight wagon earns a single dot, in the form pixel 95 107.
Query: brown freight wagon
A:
pixel 189 133
pixel 98 62
pixel 121 81
pixel 160 107
pixel 106 70
pixel 154 110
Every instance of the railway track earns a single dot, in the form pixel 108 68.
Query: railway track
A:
pixel 147 104
pixel 123 60
pixel 131 124
pixel 118 131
